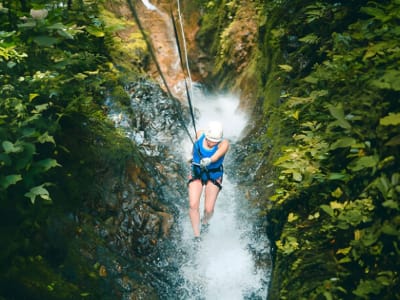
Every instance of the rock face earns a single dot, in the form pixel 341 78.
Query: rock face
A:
pixel 158 24
pixel 122 231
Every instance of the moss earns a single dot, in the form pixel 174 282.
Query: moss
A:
pixel 126 45
pixel 318 51
pixel 34 277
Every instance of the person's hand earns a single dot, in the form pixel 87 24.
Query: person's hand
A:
pixel 205 162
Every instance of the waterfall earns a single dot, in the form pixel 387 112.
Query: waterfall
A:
pixel 149 5
pixel 222 266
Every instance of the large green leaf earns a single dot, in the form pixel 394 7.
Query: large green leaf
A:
pixel 46 164
pixel 389 80
pixel 338 113
pixel 6 181
pixel 45 40
pixel 338 176
pixel 391 204
pixel 394 141
pixel 328 210
pixel 95 31
pixel 391 119
pixel 343 143
pixel 11 148
pixel 363 163
pixel 367 287
pixel 46 138
pixel 377 13
pixel 38 191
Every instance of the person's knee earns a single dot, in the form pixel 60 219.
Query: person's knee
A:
pixel 194 208
pixel 208 212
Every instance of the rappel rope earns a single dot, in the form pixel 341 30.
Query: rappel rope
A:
pixel 153 56
pixel 188 77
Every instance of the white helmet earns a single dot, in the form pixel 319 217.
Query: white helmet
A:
pixel 214 132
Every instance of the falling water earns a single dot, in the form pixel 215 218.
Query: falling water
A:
pixel 225 263
pixel 221 265
pixel 149 5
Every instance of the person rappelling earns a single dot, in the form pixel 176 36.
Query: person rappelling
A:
pixel 206 172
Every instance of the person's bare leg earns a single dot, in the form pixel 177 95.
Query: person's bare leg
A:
pixel 211 194
pixel 195 189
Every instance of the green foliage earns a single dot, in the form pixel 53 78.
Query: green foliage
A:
pixel 55 136
pixel 51 68
pixel 339 107
pixel 215 22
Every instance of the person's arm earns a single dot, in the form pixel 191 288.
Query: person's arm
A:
pixel 223 147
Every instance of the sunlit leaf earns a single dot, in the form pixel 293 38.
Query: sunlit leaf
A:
pixel 80 76
pixel 286 68
pixel 391 119
pixel 386 278
pixel 367 287
pixel 32 96
pixel 337 205
pixel 38 191
pixel 376 13
pixel 369 236
pixel 292 217
pixel 297 176
pixel 327 209
pixel 391 204
pixel 288 245
pixel 41 107
pixel 311 79
pixel 343 143
pixel 389 80
pixel 344 251
pixel 56 26
pixel 95 31
pixel 11 64
pixel 311 38
pixel 337 193
pixel 314 216
pixel 11 148
pixel 47 164
pixel 390 229
pixel 46 138
pixel 363 163
pixel 338 176
pixel 344 260
pixel 28 24
pixel 85 294
pixel 65 34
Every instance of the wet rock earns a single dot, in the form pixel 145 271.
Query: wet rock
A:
pixel 166 222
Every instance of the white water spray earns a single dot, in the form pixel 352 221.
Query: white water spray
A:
pixel 149 5
pixel 222 267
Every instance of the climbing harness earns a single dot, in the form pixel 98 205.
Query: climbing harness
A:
pixel 204 174
pixel 212 173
